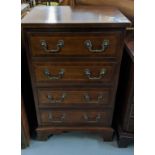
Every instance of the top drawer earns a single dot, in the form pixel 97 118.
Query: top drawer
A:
pixel 54 44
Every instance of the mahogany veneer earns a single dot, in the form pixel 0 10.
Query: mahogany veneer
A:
pixel 74 57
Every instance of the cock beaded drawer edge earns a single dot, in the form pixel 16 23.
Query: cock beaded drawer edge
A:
pixel 74 57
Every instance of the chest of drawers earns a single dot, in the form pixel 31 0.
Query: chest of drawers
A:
pixel 74 57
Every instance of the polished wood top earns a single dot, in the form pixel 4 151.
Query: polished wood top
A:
pixel 80 15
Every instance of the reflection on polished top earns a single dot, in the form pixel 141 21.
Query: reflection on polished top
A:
pixel 77 15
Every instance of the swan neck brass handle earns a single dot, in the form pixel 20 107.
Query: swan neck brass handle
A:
pixel 101 74
pixel 54 77
pixel 44 45
pixel 52 100
pixel 89 100
pixel 89 120
pixel 60 120
pixel 89 46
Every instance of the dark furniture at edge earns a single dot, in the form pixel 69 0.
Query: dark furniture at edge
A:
pixel 25 136
pixel 124 112
pixel 27 95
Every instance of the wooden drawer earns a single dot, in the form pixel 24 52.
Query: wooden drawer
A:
pixel 49 97
pixel 53 44
pixel 75 117
pixel 76 72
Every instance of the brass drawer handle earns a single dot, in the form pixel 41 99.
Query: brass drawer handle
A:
pixel 61 119
pixel 52 77
pixel 104 45
pixel 88 99
pixel 51 99
pixel 101 74
pixel 44 45
pixel 88 120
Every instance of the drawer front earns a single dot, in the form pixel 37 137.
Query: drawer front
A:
pixel 75 117
pixel 70 44
pixel 74 72
pixel 74 97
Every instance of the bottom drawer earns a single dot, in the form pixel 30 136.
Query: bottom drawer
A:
pixel 75 117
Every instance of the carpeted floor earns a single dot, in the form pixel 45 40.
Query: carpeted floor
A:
pixel 76 144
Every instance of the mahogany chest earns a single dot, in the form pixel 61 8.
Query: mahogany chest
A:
pixel 74 57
